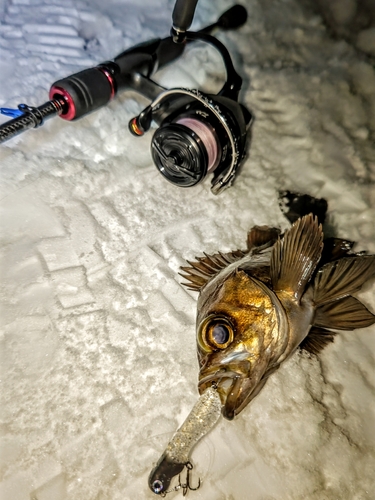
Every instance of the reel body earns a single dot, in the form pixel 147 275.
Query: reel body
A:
pixel 198 133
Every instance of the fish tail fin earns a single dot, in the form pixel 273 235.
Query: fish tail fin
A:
pixel 332 293
pixel 295 257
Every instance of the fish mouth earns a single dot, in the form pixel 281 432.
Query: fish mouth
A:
pixel 230 384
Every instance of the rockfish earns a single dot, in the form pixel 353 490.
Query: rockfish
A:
pixel 256 307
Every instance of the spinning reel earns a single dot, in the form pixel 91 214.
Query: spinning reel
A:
pixel 198 133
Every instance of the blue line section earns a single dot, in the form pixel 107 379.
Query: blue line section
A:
pixel 13 113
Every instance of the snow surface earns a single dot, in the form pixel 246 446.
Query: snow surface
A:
pixel 98 351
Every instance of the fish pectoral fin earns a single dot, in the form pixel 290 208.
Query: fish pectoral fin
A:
pixel 259 236
pixel 342 277
pixel 344 314
pixel 294 258
pixel 317 339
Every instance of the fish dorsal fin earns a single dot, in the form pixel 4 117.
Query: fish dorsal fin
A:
pixel 294 258
pixel 317 339
pixel 202 270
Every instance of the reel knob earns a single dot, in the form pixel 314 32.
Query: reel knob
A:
pixel 179 154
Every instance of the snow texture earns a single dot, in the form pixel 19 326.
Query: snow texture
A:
pixel 98 359
pixel 354 20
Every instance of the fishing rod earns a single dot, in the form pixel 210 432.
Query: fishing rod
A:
pixel 198 133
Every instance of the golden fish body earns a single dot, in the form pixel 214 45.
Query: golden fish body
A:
pixel 257 306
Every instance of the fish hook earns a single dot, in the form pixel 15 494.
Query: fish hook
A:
pixel 187 486
pixel 184 486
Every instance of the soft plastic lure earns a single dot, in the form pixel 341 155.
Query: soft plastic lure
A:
pixel 175 458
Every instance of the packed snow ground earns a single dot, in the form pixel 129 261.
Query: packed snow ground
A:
pixel 98 363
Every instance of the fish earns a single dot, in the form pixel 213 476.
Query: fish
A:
pixel 257 306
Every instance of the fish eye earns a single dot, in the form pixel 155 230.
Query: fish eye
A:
pixel 157 486
pixel 216 332
pixel 220 334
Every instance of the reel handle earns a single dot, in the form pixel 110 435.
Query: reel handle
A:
pixel 182 17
